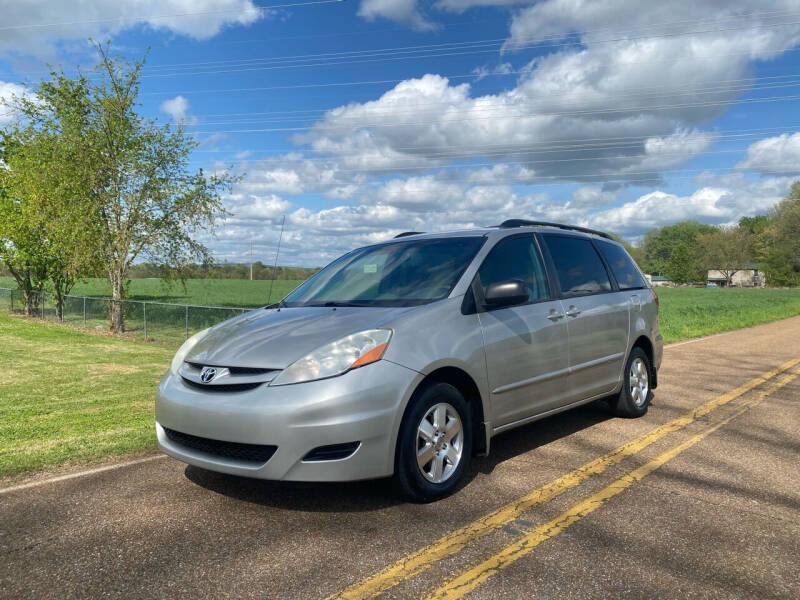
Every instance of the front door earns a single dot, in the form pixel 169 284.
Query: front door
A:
pixel 526 345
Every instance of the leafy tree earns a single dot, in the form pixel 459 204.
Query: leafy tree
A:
pixel 21 240
pixel 47 191
pixel 674 251
pixel 143 200
pixel 726 250
pixel 781 248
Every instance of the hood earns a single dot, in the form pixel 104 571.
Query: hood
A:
pixel 275 338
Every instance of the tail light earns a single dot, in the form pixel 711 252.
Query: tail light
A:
pixel 655 296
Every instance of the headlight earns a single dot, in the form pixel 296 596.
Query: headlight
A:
pixel 180 355
pixel 337 357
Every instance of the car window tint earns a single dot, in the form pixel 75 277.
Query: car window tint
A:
pixel 622 266
pixel 579 268
pixel 516 258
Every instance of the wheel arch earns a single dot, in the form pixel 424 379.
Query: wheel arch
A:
pixel 646 345
pixel 466 385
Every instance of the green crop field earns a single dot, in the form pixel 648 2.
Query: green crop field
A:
pixel 203 292
pixel 68 396
pixel 694 312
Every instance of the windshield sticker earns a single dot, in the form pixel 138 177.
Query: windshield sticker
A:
pixel 371 268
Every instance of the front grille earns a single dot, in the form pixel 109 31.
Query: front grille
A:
pixel 225 387
pixel 254 453
pixel 332 452
pixel 236 370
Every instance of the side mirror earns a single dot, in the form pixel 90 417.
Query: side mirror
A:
pixel 505 293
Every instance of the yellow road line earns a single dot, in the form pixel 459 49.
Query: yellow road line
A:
pixel 472 578
pixel 422 559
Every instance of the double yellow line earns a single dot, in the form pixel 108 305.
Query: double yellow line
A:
pixel 453 542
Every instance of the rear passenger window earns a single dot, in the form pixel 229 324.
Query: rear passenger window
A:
pixel 516 258
pixel 622 266
pixel 579 268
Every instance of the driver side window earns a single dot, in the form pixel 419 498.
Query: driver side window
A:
pixel 516 258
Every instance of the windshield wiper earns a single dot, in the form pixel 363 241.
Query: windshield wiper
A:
pixel 281 304
pixel 333 304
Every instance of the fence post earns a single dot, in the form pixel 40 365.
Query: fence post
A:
pixel 43 298
pixel 84 311
pixel 186 324
pixel 144 315
pixel 12 301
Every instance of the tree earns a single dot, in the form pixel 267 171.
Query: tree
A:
pixel 145 201
pixel 674 252
pixel 726 250
pixel 47 192
pixel 781 245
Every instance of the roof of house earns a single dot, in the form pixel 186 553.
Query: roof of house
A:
pixel 658 278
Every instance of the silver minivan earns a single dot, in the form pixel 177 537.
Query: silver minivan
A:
pixel 405 358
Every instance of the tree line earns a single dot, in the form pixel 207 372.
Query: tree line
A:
pixel 685 251
pixel 226 270
pixel 89 186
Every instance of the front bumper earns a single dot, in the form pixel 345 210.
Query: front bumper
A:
pixel 363 405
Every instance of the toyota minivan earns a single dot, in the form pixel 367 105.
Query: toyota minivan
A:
pixel 406 357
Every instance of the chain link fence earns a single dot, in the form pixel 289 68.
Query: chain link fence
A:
pixel 154 321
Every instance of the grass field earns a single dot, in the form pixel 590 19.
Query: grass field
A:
pixel 694 312
pixel 67 396
pixel 203 292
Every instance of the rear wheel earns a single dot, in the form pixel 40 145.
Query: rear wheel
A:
pixel 434 444
pixel 636 393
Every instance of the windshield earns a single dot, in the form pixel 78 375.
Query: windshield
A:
pixel 403 273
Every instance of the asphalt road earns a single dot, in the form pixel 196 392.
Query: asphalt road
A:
pixel 699 498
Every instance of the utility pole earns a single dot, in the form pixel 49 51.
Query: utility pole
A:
pixel 275 266
pixel 251 260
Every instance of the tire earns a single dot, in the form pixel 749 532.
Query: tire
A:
pixel 428 481
pixel 636 392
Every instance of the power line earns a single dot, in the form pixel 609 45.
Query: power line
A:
pixel 260 8
pixel 323 128
pixel 421 51
pixel 573 143
pixel 413 108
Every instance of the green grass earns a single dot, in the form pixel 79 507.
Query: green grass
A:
pixel 68 396
pixel 694 312
pixel 204 292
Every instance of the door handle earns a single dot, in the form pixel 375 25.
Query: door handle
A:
pixel 572 312
pixel 555 316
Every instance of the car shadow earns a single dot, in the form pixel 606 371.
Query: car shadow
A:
pixel 365 496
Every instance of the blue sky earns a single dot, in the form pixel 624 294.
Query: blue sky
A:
pixel 359 119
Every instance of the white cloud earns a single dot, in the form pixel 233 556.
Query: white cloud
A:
pixel 37 27
pixel 460 6
pixel 592 197
pixel 178 110
pixel 779 155
pixel 720 200
pixel 400 11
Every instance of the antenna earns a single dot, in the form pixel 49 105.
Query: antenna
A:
pixel 275 266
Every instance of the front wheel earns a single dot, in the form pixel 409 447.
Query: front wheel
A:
pixel 434 444
pixel 636 394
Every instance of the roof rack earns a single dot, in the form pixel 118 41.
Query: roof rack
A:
pixel 510 223
pixel 405 233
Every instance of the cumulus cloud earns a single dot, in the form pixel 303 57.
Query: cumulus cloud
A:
pixel 779 155
pixel 459 6
pixel 401 11
pixel 37 27
pixel 719 201
pixel 431 154
pixel 178 110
